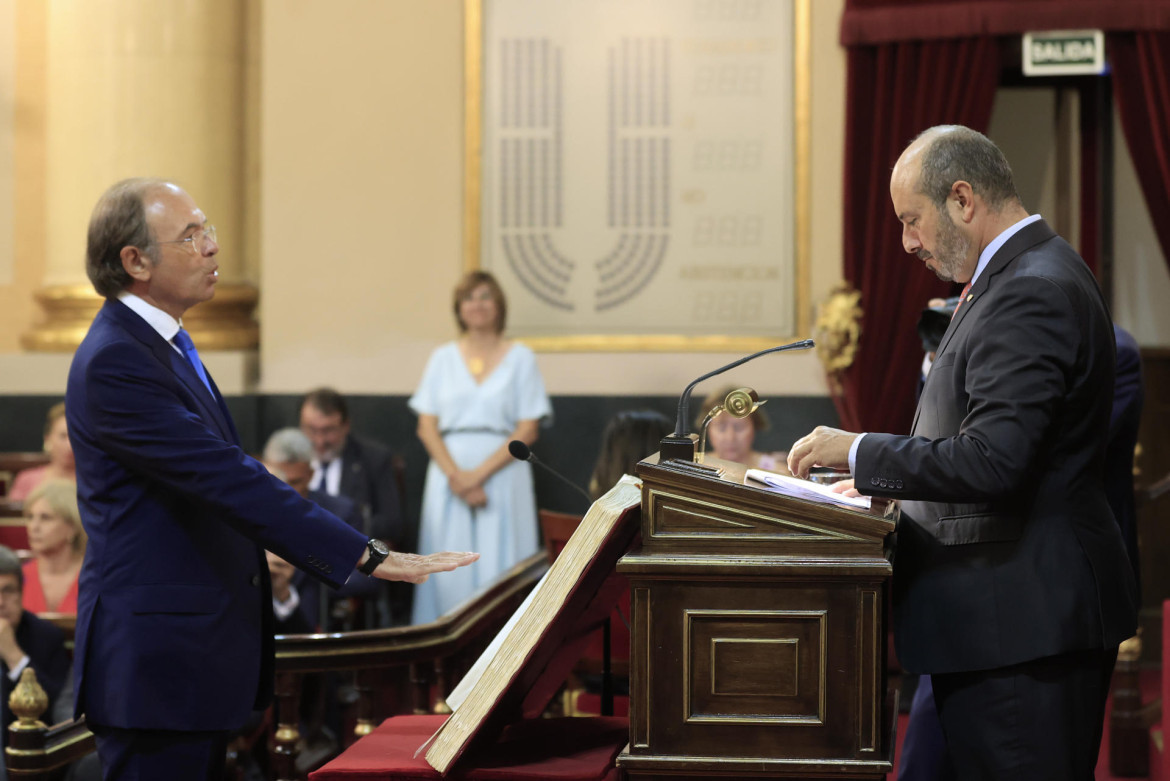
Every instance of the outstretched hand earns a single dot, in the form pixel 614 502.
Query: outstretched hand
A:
pixel 415 568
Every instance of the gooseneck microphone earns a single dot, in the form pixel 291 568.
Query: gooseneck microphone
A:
pixel 678 444
pixel 521 452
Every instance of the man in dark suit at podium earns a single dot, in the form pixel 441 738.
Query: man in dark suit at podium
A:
pixel 1012 587
pixel 174 623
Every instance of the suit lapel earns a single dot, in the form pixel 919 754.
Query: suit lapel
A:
pixel 351 468
pixel 212 407
pixel 1024 239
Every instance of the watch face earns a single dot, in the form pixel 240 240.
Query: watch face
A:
pixel 379 547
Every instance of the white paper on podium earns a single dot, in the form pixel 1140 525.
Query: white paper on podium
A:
pixel 805 489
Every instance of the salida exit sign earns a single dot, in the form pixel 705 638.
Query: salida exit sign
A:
pixel 1064 53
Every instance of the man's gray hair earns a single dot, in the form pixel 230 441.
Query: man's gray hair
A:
pixel 958 153
pixel 118 220
pixel 288 445
pixel 10 564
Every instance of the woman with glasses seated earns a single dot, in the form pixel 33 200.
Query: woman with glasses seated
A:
pixel 477 394
pixel 57 542
pixel 60 453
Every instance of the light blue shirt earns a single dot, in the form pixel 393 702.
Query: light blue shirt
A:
pixel 984 258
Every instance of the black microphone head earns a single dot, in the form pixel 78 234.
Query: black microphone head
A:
pixel 519 450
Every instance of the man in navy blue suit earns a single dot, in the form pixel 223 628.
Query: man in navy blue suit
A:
pixel 174 624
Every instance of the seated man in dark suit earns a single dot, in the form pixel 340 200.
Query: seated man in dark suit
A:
pixel 25 642
pixel 288 454
pixel 352 466
pixel 288 618
pixel 361 469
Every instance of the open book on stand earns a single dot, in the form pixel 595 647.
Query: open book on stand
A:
pixel 529 659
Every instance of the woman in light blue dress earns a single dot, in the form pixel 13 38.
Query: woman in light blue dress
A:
pixel 477 393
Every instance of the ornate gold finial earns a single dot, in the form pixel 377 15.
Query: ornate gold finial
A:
pixel 287 734
pixel 1130 650
pixel 838 329
pixel 28 701
pixel 739 403
pixel 742 402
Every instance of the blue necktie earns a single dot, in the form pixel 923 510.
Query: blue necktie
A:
pixel 184 343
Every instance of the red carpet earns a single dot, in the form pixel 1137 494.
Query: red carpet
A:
pixel 553 750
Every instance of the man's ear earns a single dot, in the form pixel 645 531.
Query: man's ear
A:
pixel 136 263
pixel 963 200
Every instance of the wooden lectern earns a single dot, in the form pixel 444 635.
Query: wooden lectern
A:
pixel 758 632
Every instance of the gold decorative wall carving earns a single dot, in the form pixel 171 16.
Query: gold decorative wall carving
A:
pixel 223 323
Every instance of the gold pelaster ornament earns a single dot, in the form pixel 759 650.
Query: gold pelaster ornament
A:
pixel 838 329
pixel 28 701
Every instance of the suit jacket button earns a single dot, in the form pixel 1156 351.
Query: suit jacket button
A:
pixel 328 569
pixel 873 481
pixel 898 484
pixel 255 580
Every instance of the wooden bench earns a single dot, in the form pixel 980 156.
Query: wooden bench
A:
pixel 428 660
pixel 1136 727
pixel 13 527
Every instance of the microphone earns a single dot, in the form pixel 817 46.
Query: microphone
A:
pixel 679 445
pixel 521 452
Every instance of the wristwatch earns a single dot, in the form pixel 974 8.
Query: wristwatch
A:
pixel 378 553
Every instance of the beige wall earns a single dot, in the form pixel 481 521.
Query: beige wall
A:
pixel 17 308
pixel 353 221
pixel 362 173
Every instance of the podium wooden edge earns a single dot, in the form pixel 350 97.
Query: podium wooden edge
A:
pixel 652 768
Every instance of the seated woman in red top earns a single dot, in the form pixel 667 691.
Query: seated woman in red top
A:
pixel 60 457
pixel 57 542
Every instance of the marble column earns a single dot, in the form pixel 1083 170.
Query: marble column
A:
pixel 145 88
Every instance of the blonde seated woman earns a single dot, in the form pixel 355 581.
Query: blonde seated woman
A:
pixel 733 439
pixel 60 453
pixel 57 542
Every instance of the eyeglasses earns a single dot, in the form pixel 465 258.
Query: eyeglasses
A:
pixel 199 241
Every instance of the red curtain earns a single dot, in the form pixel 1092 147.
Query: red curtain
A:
pixel 1141 84
pixel 870 22
pixel 895 91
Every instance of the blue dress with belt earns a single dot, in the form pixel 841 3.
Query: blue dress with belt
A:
pixel 475 419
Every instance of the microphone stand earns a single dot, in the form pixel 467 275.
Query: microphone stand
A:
pixel 679 445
